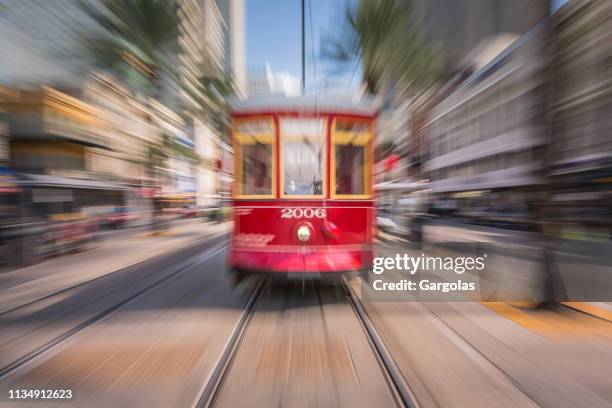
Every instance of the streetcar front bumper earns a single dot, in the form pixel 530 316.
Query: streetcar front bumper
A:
pixel 302 260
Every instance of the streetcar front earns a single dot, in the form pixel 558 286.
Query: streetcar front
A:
pixel 303 188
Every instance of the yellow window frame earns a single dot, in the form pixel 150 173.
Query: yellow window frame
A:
pixel 238 163
pixel 367 160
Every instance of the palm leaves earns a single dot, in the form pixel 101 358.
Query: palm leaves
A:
pixel 140 45
pixel 140 39
pixel 380 35
pixel 217 90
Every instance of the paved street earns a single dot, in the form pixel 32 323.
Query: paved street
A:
pixel 173 331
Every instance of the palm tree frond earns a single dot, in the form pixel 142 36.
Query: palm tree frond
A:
pixel 382 36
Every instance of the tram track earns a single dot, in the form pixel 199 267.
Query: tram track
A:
pixel 401 393
pixel 401 390
pixel 56 341
pixel 213 384
pixel 143 264
pixel 437 315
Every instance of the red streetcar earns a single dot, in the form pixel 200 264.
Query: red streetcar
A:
pixel 303 186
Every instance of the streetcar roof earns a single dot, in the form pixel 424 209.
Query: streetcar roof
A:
pixel 326 104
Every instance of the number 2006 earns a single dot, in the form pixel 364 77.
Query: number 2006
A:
pixel 303 213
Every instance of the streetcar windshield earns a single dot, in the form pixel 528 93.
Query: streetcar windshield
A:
pixel 254 145
pixel 352 158
pixel 303 156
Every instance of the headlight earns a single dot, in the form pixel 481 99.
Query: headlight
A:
pixel 303 233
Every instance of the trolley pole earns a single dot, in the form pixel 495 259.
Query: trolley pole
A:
pixel 303 53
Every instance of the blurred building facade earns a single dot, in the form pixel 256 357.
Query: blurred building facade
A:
pixel 41 43
pixel 580 154
pixel 226 170
pixel 263 81
pixel 4 134
pixel 52 137
pixel 517 130
pixel 233 14
pixel 129 129
pixel 209 150
pixel 202 40
pixel 213 44
pixel 456 27
pixel 582 70
pixel 52 129
pixel 467 34
pixel 487 134
pixel 65 122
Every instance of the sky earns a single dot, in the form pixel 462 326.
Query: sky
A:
pixel 273 34
pixel 556 4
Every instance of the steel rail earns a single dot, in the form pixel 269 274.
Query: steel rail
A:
pixel 48 346
pixel 401 390
pixel 212 385
pixel 139 264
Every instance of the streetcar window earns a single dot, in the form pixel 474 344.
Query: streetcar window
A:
pixel 303 156
pixel 352 158
pixel 254 155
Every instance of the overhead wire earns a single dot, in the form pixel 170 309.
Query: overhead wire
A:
pixel 316 90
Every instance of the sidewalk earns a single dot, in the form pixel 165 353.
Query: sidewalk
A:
pixel 556 356
pixel 585 267
pixel 112 253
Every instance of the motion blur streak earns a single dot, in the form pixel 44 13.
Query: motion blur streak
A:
pixel 151 182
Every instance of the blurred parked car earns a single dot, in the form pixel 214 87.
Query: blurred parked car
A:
pixel 120 217
pixel 191 211
pixel 70 232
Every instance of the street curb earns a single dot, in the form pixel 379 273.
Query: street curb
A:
pixel 589 309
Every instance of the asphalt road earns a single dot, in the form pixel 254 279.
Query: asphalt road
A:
pixel 174 332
